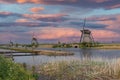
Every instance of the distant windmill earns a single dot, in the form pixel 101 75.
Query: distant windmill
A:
pixel 86 37
pixel 34 41
pixel 11 43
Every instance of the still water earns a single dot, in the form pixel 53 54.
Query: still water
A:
pixel 78 54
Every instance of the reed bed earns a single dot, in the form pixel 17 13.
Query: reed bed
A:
pixel 84 69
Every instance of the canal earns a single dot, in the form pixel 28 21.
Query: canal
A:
pixel 78 54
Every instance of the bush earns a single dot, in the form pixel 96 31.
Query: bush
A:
pixel 13 71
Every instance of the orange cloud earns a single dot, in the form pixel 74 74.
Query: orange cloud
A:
pixel 36 9
pixel 22 1
pixel 22 20
pixel 37 1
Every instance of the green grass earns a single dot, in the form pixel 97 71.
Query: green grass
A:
pixel 81 70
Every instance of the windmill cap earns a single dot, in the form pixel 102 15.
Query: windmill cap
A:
pixel 86 31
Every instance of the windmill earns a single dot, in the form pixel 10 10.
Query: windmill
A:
pixel 86 38
pixel 11 44
pixel 34 42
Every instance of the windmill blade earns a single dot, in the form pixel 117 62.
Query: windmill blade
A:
pixel 84 23
pixel 33 34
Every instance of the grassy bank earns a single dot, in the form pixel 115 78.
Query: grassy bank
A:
pixel 54 53
pixel 40 52
pixel 18 49
pixel 108 46
pixel 81 70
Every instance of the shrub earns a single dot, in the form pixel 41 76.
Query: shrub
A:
pixel 13 71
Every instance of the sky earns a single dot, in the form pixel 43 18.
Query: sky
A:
pixel 58 20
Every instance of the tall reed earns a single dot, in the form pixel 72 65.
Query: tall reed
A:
pixel 84 69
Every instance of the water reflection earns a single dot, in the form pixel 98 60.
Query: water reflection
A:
pixel 83 54
pixel 33 60
pixel 86 54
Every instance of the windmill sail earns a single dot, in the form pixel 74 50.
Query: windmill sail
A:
pixel 84 24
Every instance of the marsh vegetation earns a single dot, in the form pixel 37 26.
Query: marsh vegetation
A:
pixel 95 69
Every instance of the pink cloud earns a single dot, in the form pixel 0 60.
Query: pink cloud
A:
pixel 72 34
pixel 46 17
pixel 5 37
pixel 111 21
pixel 106 4
pixel 114 6
pixel 36 9
pixel 105 35
pixel 43 15
pixel 99 1
pixel 110 32
pixel 51 33
pixel 53 1
pixel 36 1
pixel 5 13
pixel 45 1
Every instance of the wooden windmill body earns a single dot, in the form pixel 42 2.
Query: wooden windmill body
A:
pixel 34 41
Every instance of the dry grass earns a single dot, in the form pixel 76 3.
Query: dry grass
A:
pixel 109 46
pixel 53 53
pixel 96 69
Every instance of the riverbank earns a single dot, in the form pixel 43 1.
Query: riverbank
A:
pixel 99 46
pixel 108 46
pixel 53 53
pixel 40 52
